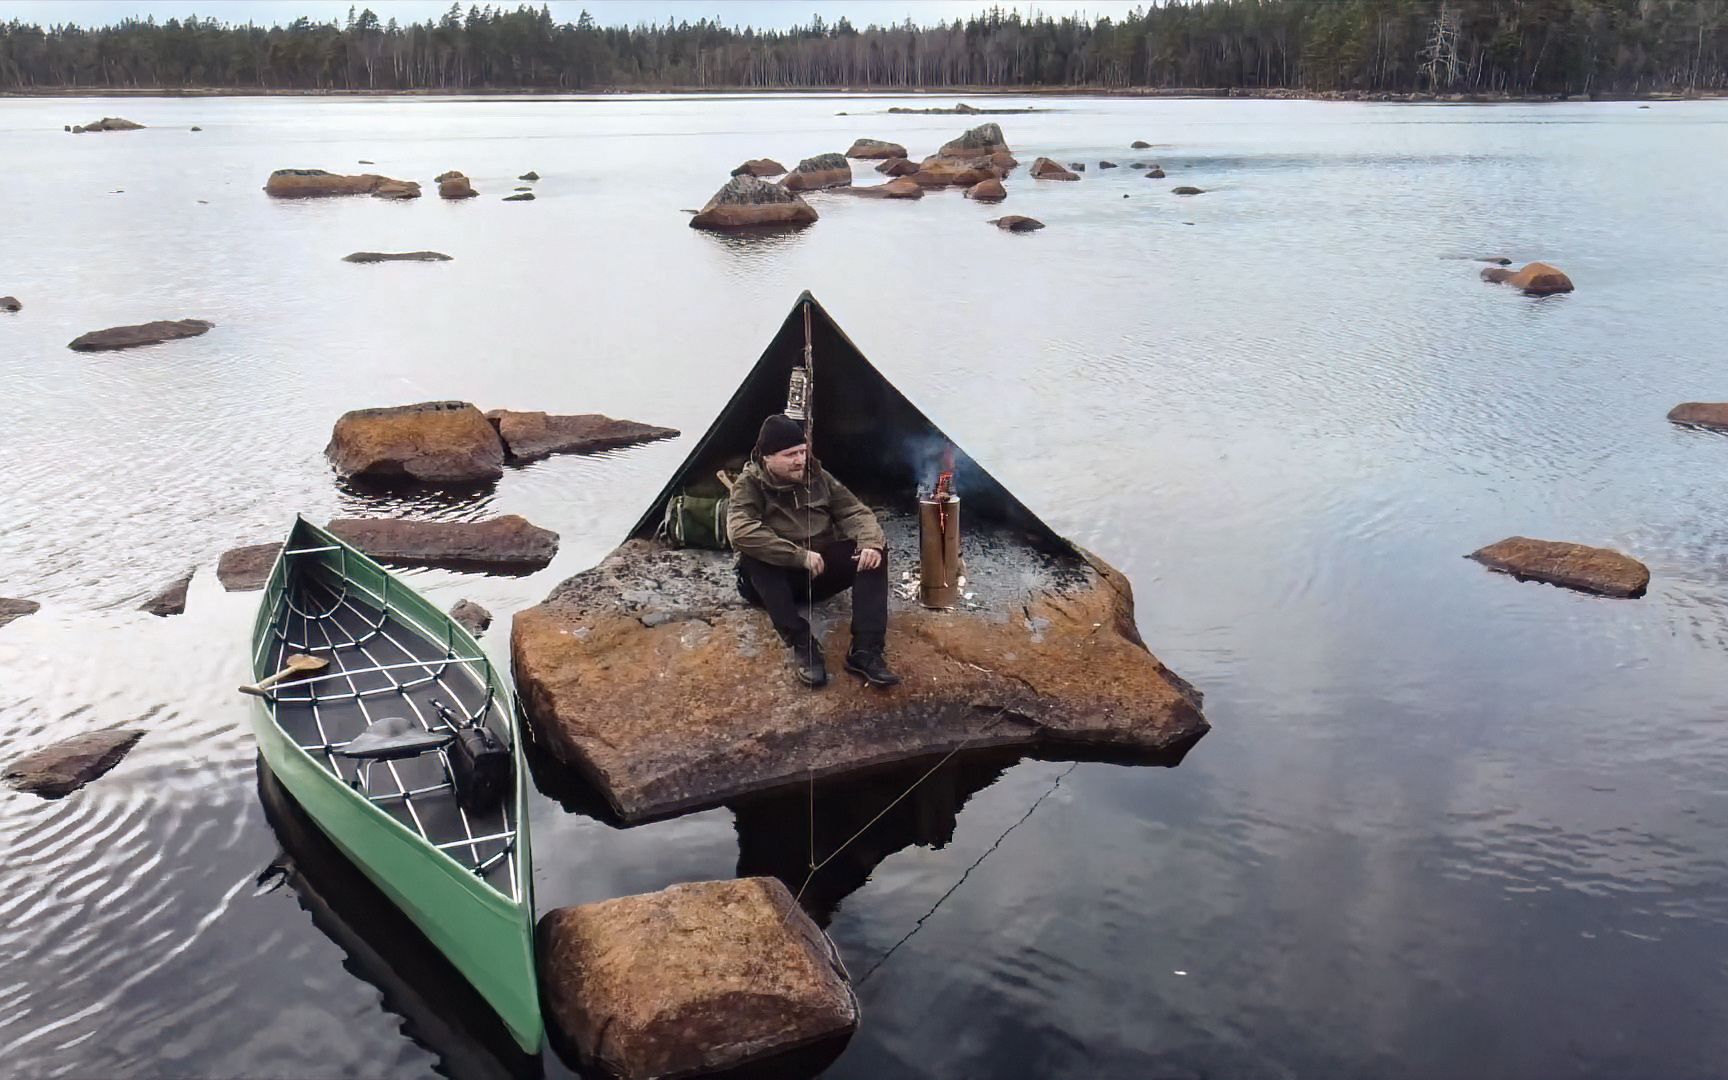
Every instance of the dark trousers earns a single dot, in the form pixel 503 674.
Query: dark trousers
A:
pixel 781 589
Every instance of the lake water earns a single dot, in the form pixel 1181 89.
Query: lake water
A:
pixel 1447 824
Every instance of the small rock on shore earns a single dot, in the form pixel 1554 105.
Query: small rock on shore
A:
pixel 57 771
pixel 127 337
pixel 1573 566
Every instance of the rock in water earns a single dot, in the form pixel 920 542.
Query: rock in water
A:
pixel 509 542
pixel 529 175
pixel 57 771
pixel 1045 169
pixel 900 188
pixel 171 600
pixel 987 191
pixel 530 436
pixel 873 149
pixel 435 442
pixel 112 123
pixel 1703 414
pixel 1184 189
pixel 396 256
pixel 471 617
pixel 759 167
pixel 10 303
pixel 1016 223
pixel 127 337
pixel 981 141
pixel 456 187
pixel 1497 260
pixel 450 174
pixel 816 173
pixel 11 608
pixel 1575 566
pixel 1155 173
pixel 938 171
pixel 898 167
pixel 746 203
pixel 692 980
pixel 526 196
pixel 1107 165
pixel 1077 166
pixel 1536 279
pixel 316 183
pixel 247 569
pixel 1139 144
pixel 396 189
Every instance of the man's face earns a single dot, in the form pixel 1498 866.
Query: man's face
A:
pixel 788 465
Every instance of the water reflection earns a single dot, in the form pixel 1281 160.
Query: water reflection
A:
pixel 440 1010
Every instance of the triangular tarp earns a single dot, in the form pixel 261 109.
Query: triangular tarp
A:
pixel 865 432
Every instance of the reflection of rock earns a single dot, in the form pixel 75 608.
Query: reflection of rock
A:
pixel 246 569
pixel 435 442
pixel 128 337
pixel 1061 665
pixel 1535 279
pixel 1704 414
pixel 12 608
pixel 508 542
pixel 471 617
pixel 691 980
pixel 1016 223
pixel 396 256
pixel 1045 169
pixel 530 436
pixel 61 769
pixel 171 600
pixel 873 149
pixel 981 141
pixel 816 173
pixel 759 167
pixel 1575 566
pixel 987 191
pixel 747 203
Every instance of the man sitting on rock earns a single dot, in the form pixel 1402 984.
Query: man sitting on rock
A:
pixel 802 537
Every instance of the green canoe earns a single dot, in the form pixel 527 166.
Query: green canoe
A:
pixel 365 744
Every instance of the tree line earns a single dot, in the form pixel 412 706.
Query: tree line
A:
pixel 1561 47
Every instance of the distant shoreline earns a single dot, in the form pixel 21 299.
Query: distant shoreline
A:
pixel 942 94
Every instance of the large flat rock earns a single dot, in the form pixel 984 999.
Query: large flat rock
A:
pixel 692 979
pixel 434 442
pixel 59 770
pixel 530 436
pixel 130 337
pixel 510 542
pixel 1701 414
pixel 650 675
pixel 1575 566
pixel 247 569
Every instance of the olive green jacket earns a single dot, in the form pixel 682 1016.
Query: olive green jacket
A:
pixel 777 523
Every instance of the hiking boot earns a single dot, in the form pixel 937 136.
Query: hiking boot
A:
pixel 869 665
pixel 808 662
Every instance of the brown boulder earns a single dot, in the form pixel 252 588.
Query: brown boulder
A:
pixel 10 303
pixel 530 436
pixel 987 191
pixel 759 167
pixel 12 608
pixel 1574 566
pixel 900 188
pixel 1139 144
pixel 1045 169
pixel 1536 279
pixel 456 187
pixel 510 542
pixel 396 189
pixel 396 256
pixel 1054 661
pixel 450 175
pixel 57 771
pixel 127 337
pixel 816 173
pixel 953 172
pixel 898 167
pixel 449 442
pixel 1016 223
pixel 872 149
pixel 748 203
pixel 471 617
pixel 316 183
pixel 247 569
pixel 692 980
pixel 981 141
pixel 1704 414
pixel 171 600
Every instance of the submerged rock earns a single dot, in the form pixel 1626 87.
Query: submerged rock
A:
pixel 316 183
pixel 1045 169
pixel 692 980
pixel 440 442
pixel 10 303
pixel 1574 566
pixel 1703 414
pixel 900 188
pixel 396 256
pixel 1016 223
pixel 759 167
pixel 247 569
pixel 1497 260
pixel 57 771
pixel 508 542
pixel 981 141
pixel 873 149
pixel 1536 279
pixel 471 617
pixel 171 600
pixel 1184 189
pixel 816 173
pixel 748 203
pixel 12 608
pixel 530 436
pixel 127 337
pixel 987 191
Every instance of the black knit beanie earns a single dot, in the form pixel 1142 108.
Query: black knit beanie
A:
pixel 779 432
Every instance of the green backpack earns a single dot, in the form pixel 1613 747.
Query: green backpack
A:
pixel 695 521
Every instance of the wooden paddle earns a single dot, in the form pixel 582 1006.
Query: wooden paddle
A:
pixel 296 664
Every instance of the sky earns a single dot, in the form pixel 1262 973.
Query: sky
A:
pixel 760 13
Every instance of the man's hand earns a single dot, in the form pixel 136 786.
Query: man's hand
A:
pixel 868 559
pixel 813 563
